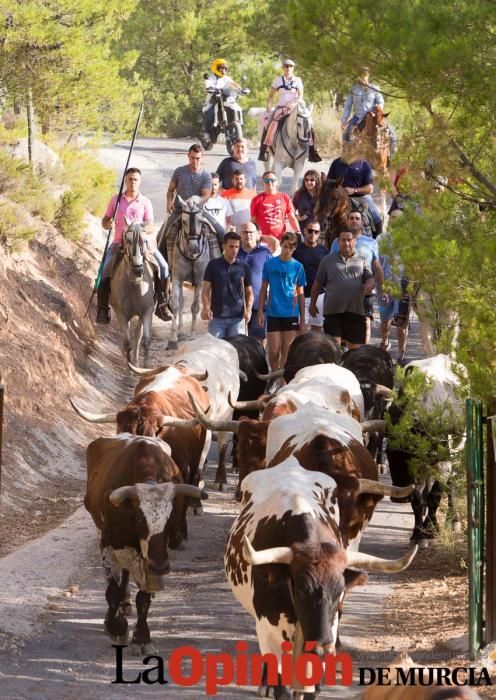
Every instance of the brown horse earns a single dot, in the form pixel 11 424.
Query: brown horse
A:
pixel 332 209
pixel 372 136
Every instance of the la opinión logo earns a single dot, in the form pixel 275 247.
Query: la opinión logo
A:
pixel 242 669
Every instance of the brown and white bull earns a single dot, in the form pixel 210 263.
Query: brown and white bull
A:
pixel 285 560
pixel 220 359
pixel 133 493
pixel 160 398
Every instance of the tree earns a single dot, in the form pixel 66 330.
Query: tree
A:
pixel 61 51
pixel 176 42
pixel 435 63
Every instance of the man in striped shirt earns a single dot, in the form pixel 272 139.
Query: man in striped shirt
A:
pixel 189 180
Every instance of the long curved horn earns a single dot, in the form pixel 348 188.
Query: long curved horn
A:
pixel 371 486
pixel 369 426
pixel 200 377
pixel 271 375
pixel 94 417
pixel 274 555
pixel 357 560
pixel 227 426
pixel 189 490
pixel 256 405
pixel 385 391
pixel 140 371
pixel 119 495
pixel 173 422
pixel 243 376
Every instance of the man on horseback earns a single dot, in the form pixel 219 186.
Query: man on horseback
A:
pixel 363 98
pixel 289 90
pixel 133 206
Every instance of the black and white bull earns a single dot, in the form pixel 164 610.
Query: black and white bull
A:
pixel 252 363
pixel 286 564
pixel 440 405
pixel 306 350
pixel 134 492
pixel 374 370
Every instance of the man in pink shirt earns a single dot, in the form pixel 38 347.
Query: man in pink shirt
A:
pixel 133 206
pixel 270 209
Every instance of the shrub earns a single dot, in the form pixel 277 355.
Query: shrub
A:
pixel 69 217
pixel 93 182
pixel 14 228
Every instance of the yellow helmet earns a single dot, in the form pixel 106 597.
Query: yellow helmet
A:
pixel 215 67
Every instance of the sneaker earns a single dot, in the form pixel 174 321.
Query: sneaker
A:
pixel 103 316
pixel 385 346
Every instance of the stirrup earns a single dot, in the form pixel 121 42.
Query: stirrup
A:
pixel 163 312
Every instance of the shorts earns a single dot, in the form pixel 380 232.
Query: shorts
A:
pixel 368 305
pixel 278 325
pixel 315 320
pixel 347 326
pixel 387 312
pixel 254 330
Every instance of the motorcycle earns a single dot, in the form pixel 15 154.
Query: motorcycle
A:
pixel 228 118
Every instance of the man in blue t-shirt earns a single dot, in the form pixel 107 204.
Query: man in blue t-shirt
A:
pixel 368 249
pixel 310 253
pixel 255 256
pixel 358 181
pixel 227 293
pixel 284 279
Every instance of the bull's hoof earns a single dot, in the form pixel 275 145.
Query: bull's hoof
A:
pixel 126 608
pixel 423 543
pixel 172 345
pixel 395 499
pixel 119 637
pixel 221 487
pixel 137 649
pixel 182 337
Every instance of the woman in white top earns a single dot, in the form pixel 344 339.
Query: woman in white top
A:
pixel 289 90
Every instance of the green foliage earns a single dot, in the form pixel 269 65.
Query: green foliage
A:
pixel 22 186
pixel 61 51
pixel 14 229
pixel 421 425
pixel 84 174
pixel 176 43
pixel 69 216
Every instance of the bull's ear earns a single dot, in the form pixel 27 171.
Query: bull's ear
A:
pixel 339 182
pixel 354 578
pixel 387 114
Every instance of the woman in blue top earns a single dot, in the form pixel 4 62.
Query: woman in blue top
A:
pixel 285 279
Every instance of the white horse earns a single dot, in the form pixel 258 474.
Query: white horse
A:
pixel 132 294
pixel 291 145
pixel 190 241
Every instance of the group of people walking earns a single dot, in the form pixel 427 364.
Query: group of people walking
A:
pixel 271 282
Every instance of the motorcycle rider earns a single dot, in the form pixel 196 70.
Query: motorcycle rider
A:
pixel 219 80
pixel 289 89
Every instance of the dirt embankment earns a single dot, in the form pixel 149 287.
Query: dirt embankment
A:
pixel 47 354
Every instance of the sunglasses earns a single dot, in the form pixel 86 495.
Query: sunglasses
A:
pixel 313 230
pixel 270 179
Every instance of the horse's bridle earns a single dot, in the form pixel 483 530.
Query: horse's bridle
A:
pixel 137 270
pixel 181 236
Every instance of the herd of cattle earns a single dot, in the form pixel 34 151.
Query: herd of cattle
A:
pixel 308 458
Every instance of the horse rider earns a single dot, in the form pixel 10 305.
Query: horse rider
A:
pixel 133 206
pixel 289 90
pixel 363 98
pixel 219 80
pixel 186 181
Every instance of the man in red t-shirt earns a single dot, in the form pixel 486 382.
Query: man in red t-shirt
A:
pixel 270 209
